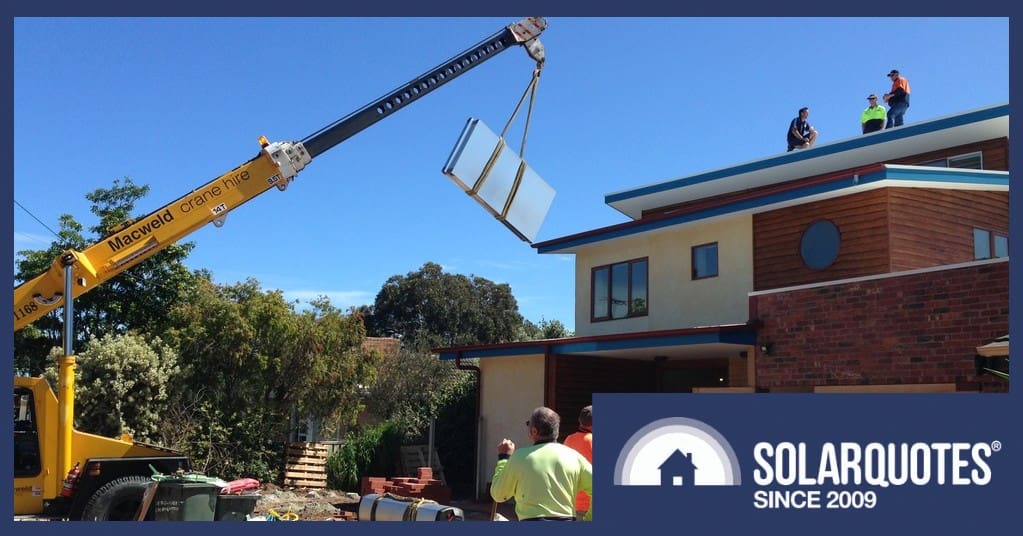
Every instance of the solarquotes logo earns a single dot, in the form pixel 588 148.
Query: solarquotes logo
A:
pixel 787 475
pixel 677 451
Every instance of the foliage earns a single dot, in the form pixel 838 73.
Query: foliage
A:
pixel 545 329
pixel 248 359
pixel 430 308
pixel 337 367
pixel 122 385
pixel 216 371
pixel 371 451
pixel 137 299
pixel 427 309
pixel 412 387
pixel 455 435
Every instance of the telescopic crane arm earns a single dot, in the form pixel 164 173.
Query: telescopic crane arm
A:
pixel 523 33
pixel 276 165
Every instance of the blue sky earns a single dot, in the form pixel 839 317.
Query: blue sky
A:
pixel 621 103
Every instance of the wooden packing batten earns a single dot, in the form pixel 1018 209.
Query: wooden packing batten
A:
pixel 306 465
pixel 415 456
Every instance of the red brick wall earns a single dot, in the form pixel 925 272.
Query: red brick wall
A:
pixel 912 329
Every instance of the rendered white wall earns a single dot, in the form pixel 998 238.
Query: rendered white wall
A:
pixel 676 301
pixel 512 389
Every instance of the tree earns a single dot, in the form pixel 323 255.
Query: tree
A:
pixel 427 309
pixel 338 367
pixel 136 299
pixel 412 387
pixel 545 329
pixel 248 358
pixel 430 308
pixel 122 385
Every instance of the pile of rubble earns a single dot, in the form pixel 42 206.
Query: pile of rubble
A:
pixel 319 504
pixel 306 504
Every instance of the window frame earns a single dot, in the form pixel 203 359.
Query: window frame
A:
pixel 832 226
pixel 992 243
pixel 608 311
pixel 947 161
pixel 692 261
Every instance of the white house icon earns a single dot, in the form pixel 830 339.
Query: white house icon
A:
pixel 677 452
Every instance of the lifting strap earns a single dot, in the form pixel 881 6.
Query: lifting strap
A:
pixel 531 92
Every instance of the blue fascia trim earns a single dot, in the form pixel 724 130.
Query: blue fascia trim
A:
pixel 704 214
pixel 731 337
pixel 921 174
pixel 884 136
pixel 494 352
pixel 943 175
pixel 743 337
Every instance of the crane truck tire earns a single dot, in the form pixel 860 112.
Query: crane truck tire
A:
pixel 117 500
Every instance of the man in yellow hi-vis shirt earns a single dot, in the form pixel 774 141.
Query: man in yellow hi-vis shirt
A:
pixel 544 477
pixel 873 118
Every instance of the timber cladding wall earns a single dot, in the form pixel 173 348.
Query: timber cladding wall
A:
pixel 883 230
pixel 935 227
pixel 911 329
pixel 995 154
pixel 862 221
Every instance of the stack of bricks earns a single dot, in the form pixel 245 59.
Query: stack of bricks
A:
pixel 345 515
pixel 423 486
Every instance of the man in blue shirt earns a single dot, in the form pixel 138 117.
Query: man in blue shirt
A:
pixel 801 134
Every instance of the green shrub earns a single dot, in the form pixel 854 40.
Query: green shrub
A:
pixel 371 451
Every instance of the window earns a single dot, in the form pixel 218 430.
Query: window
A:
pixel 963 161
pixel 619 290
pixel 705 261
pixel 819 245
pixel 967 161
pixel 27 461
pixel 989 245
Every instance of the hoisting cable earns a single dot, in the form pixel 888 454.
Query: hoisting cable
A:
pixel 531 92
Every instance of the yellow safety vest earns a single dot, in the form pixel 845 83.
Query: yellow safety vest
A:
pixel 877 112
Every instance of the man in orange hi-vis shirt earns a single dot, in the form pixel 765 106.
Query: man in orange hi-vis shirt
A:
pixel 897 99
pixel 582 441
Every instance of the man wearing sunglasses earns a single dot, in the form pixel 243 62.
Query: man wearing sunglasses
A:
pixel 543 478
pixel 873 118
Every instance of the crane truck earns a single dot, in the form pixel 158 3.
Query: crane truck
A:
pixel 63 472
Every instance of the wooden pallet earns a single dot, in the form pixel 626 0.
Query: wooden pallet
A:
pixel 415 456
pixel 306 465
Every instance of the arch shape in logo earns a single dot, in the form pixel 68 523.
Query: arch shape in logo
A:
pixel 677 451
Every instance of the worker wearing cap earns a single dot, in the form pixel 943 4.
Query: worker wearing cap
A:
pixel 897 99
pixel 873 118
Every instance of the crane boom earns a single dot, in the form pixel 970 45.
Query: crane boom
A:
pixel 276 165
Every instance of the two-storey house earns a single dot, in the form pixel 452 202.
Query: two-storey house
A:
pixel 871 264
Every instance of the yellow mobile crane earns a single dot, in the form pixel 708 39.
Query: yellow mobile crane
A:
pixel 61 471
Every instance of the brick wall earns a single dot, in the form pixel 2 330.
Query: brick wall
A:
pixel 908 329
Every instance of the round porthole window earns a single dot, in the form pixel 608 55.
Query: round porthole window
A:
pixel 819 245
